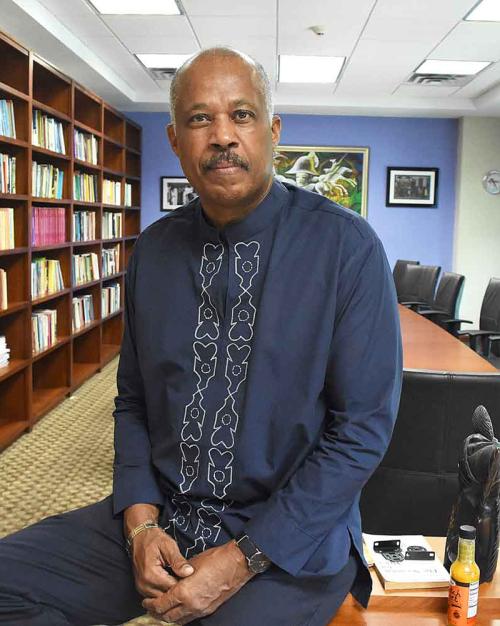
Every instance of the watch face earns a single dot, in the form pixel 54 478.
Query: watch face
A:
pixel 491 182
pixel 258 563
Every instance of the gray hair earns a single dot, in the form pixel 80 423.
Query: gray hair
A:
pixel 224 51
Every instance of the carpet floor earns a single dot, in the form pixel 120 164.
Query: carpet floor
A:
pixel 65 462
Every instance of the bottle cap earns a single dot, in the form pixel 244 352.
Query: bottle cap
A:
pixel 467 532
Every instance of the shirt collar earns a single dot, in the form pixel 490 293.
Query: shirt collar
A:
pixel 260 218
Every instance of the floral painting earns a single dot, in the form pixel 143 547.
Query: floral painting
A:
pixel 340 174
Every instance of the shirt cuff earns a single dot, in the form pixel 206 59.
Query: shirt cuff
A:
pixel 135 485
pixel 280 539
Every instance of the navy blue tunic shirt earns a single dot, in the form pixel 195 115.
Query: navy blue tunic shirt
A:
pixel 259 377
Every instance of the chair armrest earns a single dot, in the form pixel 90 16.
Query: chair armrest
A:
pixel 413 304
pixel 494 338
pixel 477 332
pixel 433 312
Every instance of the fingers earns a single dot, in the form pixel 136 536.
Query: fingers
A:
pixel 155 583
pixel 164 604
pixel 172 555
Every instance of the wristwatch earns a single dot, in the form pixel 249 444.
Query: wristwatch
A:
pixel 257 561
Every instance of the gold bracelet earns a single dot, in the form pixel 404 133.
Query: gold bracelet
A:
pixel 137 530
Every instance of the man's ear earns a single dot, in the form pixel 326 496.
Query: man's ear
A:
pixel 172 137
pixel 276 129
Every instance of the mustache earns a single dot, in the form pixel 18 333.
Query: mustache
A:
pixel 225 157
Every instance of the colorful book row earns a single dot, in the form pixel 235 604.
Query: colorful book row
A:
pixel 110 299
pixel 44 329
pixel 4 352
pixel 48 226
pixel 84 225
pixel 85 187
pixel 4 301
pixel 47 132
pixel 46 277
pixel 86 147
pixel 110 261
pixel 7 173
pixel 7 229
pixel 7 119
pixel 47 181
pixel 83 311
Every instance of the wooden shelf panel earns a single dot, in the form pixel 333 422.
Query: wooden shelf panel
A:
pixel 45 399
pixel 13 307
pixel 108 351
pixel 15 365
pixel 33 384
pixel 83 371
pixel 10 431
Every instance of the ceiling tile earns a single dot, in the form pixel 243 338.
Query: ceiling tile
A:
pixel 68 7
pixel 409 9
pixel 381 66
pixel 125 26
pixel 229 7
pixel 390 28
pixel 343 21
pixel 213 31
pixel 162 45
pixel 471 41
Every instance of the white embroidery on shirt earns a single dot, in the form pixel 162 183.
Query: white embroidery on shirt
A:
pixel 204 366
pixel 220 471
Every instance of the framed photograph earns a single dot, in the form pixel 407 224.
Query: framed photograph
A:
pixel 174 192
pixel 412 186
pixel 338 173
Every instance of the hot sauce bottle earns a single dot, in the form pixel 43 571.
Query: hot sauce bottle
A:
pixel 464 581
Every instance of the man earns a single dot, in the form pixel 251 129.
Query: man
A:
pixel 258 384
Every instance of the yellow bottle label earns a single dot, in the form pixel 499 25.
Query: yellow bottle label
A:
pixel 462 603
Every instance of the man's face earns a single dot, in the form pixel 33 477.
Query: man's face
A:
pixel 223 136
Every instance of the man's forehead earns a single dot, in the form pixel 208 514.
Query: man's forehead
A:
pixel 232 69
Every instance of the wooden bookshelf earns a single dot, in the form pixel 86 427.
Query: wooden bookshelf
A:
pixel 33 384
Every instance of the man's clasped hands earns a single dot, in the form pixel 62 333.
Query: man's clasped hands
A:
pixel 197 588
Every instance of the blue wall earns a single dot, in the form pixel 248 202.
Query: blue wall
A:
pixel 409 233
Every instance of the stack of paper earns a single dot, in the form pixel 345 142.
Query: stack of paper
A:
pixel 4 352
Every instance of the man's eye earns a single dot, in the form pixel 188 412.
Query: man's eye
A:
pixel 199 117
pixel 243 115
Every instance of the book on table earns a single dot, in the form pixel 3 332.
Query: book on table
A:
pixel 406 573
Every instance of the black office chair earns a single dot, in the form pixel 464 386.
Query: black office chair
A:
pixel 398 274
pixel 413 490
pixel 487 336
pixel 421 281
pixel 446 300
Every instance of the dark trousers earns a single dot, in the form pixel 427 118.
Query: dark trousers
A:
pixel 72 569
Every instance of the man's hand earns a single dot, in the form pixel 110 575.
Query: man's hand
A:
pixel 219 573
pixel 153 550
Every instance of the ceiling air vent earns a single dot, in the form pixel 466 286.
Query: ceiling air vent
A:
pixel 162 73
pixel 439 80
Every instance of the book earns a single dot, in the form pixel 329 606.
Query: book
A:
pixel 85 268
pixel 86 147
pixel 44 329
pixel 46 277
pixel 47 181
pixel 4 303
pixel 48 226
pixel 110 300
pixel 111 225
pixel 6 228
pixel 47 132
pixel 83 225
pixel 85 187
pixel 111 191
pixel 407 574
pixel 110 261
pixel 7 173
pixel 83 311
pixel 7 119
pixel 128 194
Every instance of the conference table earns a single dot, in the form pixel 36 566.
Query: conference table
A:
pixel 426 346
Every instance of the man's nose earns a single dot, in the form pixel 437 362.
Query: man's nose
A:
pixel 223 134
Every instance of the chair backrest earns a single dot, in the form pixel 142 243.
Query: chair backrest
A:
pixel 398 274
pixel 415 486
pixel 448 292
pixel 420 283
pixel 490 308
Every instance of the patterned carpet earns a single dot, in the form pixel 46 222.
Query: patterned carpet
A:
pixel 65 462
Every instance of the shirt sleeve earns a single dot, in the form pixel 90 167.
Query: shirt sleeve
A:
pixel 134 478
pixel 362 389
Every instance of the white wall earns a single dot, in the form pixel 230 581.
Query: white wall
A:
pixel 477 218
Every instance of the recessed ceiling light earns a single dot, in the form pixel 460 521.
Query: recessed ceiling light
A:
pixel 136 7
pixel 485 11
pixel 309 69
pixel 460 68
pixel 163 61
